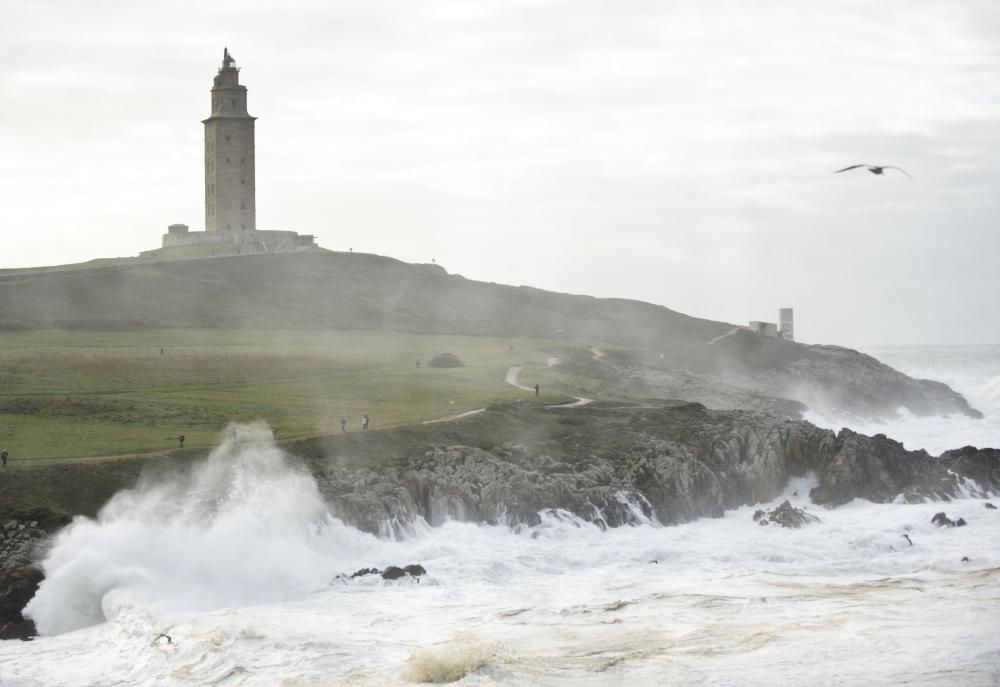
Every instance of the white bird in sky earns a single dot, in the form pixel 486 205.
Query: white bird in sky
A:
pixel 874 169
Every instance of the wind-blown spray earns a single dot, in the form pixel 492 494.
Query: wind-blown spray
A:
pixel 239 528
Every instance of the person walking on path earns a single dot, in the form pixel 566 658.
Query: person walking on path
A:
pixel 536 390
pixel 180 440
pixel 343 424
pixel 364 422
pixel 3 457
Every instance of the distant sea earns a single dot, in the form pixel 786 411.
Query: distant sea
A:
pixel 973 371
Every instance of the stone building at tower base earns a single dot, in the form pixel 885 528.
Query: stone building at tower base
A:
pixel 233 242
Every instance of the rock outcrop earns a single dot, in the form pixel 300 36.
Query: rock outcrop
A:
pixel 785 515
pixel 942 520
pixel 21 538
pixel 392 572
pixel 621 466
pixel 748 371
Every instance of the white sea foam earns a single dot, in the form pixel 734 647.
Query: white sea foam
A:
pixel 236 563
pixel 236 529
pixel 717 601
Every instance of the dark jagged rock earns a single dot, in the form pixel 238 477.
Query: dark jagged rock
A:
pixel 17 587
pixel 366 571
pixel 414 570
pixel 785 515
pixel 21 537
pixel 628 465
pixel 942 520
pixel 874 468
pixel 879 469
pixel 990 506
pixel 981 465
pixel 394 572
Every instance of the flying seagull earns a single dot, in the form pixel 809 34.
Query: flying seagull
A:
pixel 874 169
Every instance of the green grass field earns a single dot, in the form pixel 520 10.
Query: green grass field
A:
pixel 67 395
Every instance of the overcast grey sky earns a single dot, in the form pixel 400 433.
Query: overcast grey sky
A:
pixel 675 152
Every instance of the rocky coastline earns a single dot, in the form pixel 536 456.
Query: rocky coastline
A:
pixel 783 378
pixel 23 538
pixel 609 464
pixel 621 466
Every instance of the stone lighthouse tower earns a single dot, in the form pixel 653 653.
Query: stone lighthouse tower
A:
pixel 230 184
pixel 229 155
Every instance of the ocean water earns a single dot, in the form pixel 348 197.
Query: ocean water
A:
pixel 229 576
pixel 973 371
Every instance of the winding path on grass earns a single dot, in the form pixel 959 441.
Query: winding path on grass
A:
pixel 449 418
pixel 515 371
pixel 511 378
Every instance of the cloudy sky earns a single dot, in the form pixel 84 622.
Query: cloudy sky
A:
pixel 675 152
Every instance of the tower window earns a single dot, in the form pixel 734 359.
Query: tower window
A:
pixel 227 160
pixel 227 138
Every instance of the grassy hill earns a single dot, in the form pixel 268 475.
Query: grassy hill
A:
pixel 71 394
pixel 326 290
pixel 302 339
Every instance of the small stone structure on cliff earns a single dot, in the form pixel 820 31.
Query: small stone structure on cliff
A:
pixel 230 179
pixel 784 329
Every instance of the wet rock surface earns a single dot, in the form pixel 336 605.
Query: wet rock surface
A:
pixel 624 466
pixel 785 515
pixel 392 572
pixel 22 539
pixel 942 520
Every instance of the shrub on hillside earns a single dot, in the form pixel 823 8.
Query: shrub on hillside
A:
pixel 446 360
